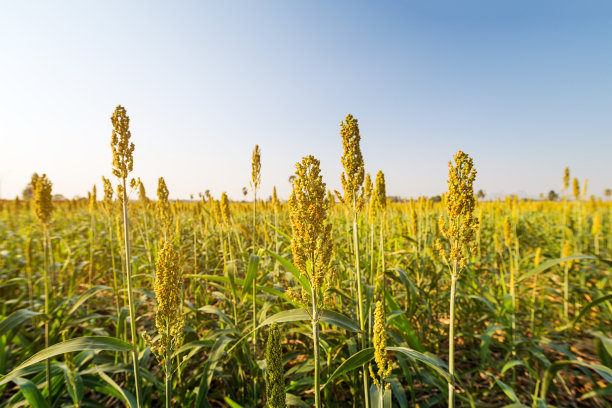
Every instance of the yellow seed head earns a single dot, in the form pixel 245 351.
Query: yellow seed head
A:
pixel 460 204
pixel 507 232
pixel 567 251
pixel 275 200
pixel 123 150
pixel 169 319
pixel 414 223
pixel 256 169
pixel 536 259
pixel 226 214
pixel 380 344
pixel 566 178
pixel 576 187
pixel 107 201
pixel 352 162
pixel 311 240
pixel 367 189
pixel 142 193
pixel 596 227
pixel 163 206
pixel 92 199
pixel 381 191
pixel 43 205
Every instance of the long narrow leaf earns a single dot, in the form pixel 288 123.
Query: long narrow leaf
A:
pixel 70 346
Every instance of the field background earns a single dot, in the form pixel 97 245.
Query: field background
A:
pixel 572 359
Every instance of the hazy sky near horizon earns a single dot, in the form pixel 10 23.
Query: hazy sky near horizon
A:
pixel 524 87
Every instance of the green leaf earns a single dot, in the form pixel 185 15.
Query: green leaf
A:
pixel 551 372
pixel 340 320
pixel 327 316
pixel 85 296
pixel 251 274
pixel 232 403
pixel 375 398
pixel 127 396
pixel 603 347
pixel 209 369
pixel 438 366
pixel 15 320
pixel 90 343
pixel 292 315
pixel 76 392
pixel 355 361
pixel 485 340
pixel 31 393
pixel 510 364
pixel 506 389
pixel 589 307
pixel 403 325
pixel 293 400
pixel 398 391
pixel 550 263
pixel 302 280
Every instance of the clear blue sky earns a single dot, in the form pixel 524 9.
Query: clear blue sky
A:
pixel 524 87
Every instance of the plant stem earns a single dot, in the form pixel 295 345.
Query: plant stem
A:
pixel 360 301
pixel 566 293
pixel 47 308
pixel 128 268
pixel 254 294
pixel 315 336
pixel 168 372
pixel 382 257
pixel 451 339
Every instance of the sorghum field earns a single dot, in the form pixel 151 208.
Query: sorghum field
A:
pixel 335 299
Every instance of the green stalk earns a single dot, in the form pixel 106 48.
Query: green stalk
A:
pixel 128 268
pixel 513 296
pixel 91 246
pixel 226 273
pixel 47 308
pixel 359 299
pixel 115 285
pixel 451 339
pixel 533 305
pixel 168 372
pixel 382 256
pixel 315 336
pixel 566 293
pixel 276 243
pixel 372 257
pixel 254 294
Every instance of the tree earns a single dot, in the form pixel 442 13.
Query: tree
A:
pixel 608 192
pixel 480 194
pixel 553 196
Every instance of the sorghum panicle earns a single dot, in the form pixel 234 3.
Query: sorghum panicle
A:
pixel 226 214
pixel 352 162
pixel 169 319
pixel 380 344
pixel 43 205
pixel 308 215
pixel 256 168
pixel 123 150
pixel 163 206
pixel 275 375
pixel 460 204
